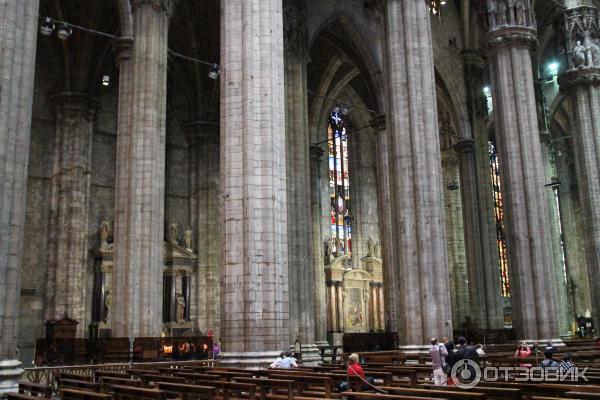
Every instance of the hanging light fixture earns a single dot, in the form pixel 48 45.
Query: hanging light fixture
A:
pixel 47 26
pixel 105 80
pixel 64 31
pixel 214 71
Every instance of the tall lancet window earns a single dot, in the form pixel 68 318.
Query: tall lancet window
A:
pixel 339 184
pixel 499 217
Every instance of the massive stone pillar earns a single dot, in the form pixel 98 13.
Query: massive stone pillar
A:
pixel 455 240
pixel 18 35
pixel 301 271
pixel 420 277
pixel 385 221
pixel 582 83
pixel 140 174
pixel 477 197
pixel 318 253
pixel 203 137
pixel 254 238
pixel 69 208
pixel 507 43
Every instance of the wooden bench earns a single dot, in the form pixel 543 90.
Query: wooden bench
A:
pixel 583 395
pixel 271 388
pixel 178 389
pixel 309 384
pixel 107 382
pixel 35 389
pixel 148 379
pixel 368 396
pixel 22 396
pixel 136 393
pixel 463 395
pixel 192 377
pixel 78 384
pixel 227 390
pixel 78 394
pixel 491 393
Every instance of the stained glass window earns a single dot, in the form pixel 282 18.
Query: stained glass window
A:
pixel 499 218
pixel 339 185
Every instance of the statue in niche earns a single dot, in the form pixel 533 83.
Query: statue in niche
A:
pixel 370 247
pixel 180 308
pixel 174 229
pixel 595 47
pixel 329 256
pixel 579 55
pixel 520 12
pixel 501 13
pixel 104 232
pixel 511 10
pixel 377 250
pixel 188 238
pixel 492 11
pixel 107 306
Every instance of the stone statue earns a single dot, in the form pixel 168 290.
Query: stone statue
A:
pixel 501 20
pixel 377 250
pixel 180 314
pixel 188 238
pixel 104 231
pixel 579 55
pixel 174 229
pixel 107 306
pixel 329 251
pixel 595 47
pixel 370 247
pixel 491 10
pixel 520 13
pixel 588 313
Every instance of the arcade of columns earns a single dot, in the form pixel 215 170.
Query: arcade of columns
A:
pixel 265 182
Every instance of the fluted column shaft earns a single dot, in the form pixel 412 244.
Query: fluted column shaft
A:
pixel 582 83
pixel 18 35
pixel 420 281
pixel 140 187
pixel 455 239
pixel 203 137
pixel 318 258
pixel 255 295
pixel 69 208
pixel 527 218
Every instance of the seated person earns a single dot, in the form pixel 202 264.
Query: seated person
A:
pixel 549 361
pixel 288 361
pixel 523 351
pixel 277 363
pixel 566 365
pixel 354 369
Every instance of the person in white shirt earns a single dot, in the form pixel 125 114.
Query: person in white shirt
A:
pixel 438 354
pixel 276 363
pixel 288 361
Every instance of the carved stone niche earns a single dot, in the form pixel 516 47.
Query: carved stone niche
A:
pixel 177 289
pixel 103 292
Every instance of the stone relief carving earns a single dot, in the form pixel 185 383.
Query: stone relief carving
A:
pixel 503 13
pixel 104 232
pixel 188 238
pixel 107 306
pixel 582 31
pixel 173 232
pixel 579 55
pixel 180 309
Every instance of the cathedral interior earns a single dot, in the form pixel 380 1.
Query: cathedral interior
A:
pixel 263 171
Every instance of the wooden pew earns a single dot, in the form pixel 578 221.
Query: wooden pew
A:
pixel 183 390
pixel 151 378
pixel 21 396
pixel 271 388
pixel 192 377
pixel 107 382
pixel 309 384
pixel 583 395
pixel 78 394
pixel 78 384
pixel 463 395
pixel 369 396
pixel 226 390
pixel 136 393
pixel 491 393
pixel 35 389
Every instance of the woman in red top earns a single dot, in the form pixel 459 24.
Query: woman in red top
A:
pixel 523 351
pixel 354 369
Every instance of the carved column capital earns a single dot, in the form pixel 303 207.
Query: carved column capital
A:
pixel 513 36
pixel 202 132
pixel 122 49
pixel 316 153
pixel 75 104
pixel 582 33
pixel 295 32
pixel 579 77
pixel 379 122
pixel 157 5
pixel 464 146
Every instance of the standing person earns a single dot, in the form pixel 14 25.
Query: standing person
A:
pixel 438 354
pixel 216 349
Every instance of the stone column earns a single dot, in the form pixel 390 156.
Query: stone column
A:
pixel 508 44
pixel 254 278
pixel 420 277
pixel 140 174
pixel 385 221
pixel 18 36
pixel 485 289
pixel 301 271
pixel 582 83
pixel 69 208
pixel 318 257
pixel 203 137
pixel 455 239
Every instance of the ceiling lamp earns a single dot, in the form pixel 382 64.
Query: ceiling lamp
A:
pixel 47 27
pixel 214 71
pixel 105 80
pixel 64 32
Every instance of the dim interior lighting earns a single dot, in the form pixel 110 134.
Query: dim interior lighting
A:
pixel 214 71
pixel 105 80
pixel 486 90
pixel 64 32
pixel 443 2
pixel 47 26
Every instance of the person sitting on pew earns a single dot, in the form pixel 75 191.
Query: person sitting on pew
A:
pixel 277 362
pixel 566 365
pixel 549 361
pixel 523 351
pixel 288 361
pixel 354 369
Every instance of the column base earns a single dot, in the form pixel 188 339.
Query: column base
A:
pixel 253 360
pixel 311 354
pixel 412 349
pixel 10 373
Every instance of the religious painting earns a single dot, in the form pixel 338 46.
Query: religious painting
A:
pixel 355 310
